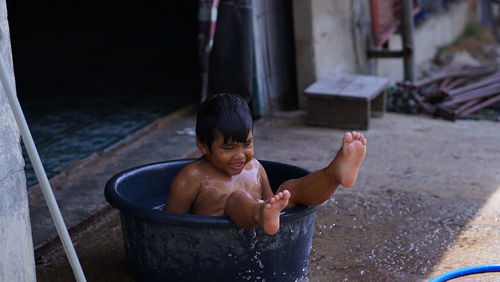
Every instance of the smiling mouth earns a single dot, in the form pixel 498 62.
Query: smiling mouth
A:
pixel 237 166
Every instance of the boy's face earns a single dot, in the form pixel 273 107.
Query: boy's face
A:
pixel 229 158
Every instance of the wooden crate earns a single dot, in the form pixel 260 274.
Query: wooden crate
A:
pixel 346 101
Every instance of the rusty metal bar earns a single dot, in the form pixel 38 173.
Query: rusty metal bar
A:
pixel 426 107
pixel 445 113
pixel 478 93
pixel 406 84
pixel 467 105
pixel 432 79
pixel 474 92
pixel 481 105
pixel 444 83
pixel 435 96
pixel 486 81
pixel 454 84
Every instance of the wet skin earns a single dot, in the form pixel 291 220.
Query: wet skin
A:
pixel 202 187
pixel 228 181
pixel 318 186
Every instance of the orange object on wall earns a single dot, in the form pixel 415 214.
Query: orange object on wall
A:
pixel 385 19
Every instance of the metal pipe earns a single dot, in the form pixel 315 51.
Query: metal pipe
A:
pixel 494 78
pixel 444 83
pixel 474 94
pixel 407 36
pixel 40 172
pixel 445 113
pixel 453 84
pixel 481 105
pixel 467 105
pixel 467 73
pixel 425 106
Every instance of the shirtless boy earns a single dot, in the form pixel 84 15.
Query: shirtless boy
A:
pixel 228 181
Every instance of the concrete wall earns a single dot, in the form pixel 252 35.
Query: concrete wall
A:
pixel 304 47
pixel 436 31
pixel 329 37
pixel 16 246
pixel 333 36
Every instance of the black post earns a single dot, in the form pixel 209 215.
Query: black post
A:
pixel 407 36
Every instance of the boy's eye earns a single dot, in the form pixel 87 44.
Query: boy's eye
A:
pixel 249 143
pixel 227 148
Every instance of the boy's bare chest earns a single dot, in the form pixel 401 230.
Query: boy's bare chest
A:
pixel 215 188
pixel 221 187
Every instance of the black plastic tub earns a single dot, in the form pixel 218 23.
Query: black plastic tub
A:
pixel 162 246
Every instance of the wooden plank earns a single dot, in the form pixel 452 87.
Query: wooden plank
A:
pixel 338 113
pixel 361 87
pixel 364 87
pixel 331 84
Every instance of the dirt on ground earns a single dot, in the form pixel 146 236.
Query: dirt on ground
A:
pixel 426 201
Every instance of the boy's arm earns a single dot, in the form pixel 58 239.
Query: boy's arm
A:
pixel 266 192
pixel 183 191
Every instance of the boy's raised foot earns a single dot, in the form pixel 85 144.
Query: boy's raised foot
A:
pixel 270 212
pixel 346 164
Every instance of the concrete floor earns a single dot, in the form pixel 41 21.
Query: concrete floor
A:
pixel 79 186
pixel 427 199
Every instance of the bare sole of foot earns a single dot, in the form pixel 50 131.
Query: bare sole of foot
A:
pixel 346 164
pixel 270 212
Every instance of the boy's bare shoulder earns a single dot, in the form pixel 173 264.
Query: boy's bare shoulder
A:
pixel 256 163
pixel 193 170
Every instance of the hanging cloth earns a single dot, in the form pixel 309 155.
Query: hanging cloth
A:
pixel 207 20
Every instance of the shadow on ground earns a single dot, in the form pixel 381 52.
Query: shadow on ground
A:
pixel 426 202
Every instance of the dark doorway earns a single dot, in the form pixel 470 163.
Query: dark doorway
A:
pixel 90 73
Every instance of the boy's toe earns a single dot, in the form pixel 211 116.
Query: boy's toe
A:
pixel 347 137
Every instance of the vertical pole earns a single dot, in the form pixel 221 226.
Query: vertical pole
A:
pixel 17 260
pixel 40 172
pixel 407 36
pixel 484 13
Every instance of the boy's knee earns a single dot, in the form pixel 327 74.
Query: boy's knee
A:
pixel 235 197
pixel 287 185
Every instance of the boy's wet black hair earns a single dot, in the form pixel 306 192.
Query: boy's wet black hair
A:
pixel 224 114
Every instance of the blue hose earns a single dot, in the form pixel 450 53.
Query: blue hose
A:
pixel 466 271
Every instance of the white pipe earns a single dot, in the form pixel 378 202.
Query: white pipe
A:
pixel 40 173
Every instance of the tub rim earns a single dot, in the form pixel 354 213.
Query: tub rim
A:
pixel 130 209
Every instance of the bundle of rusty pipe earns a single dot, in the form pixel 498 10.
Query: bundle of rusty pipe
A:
pixel 454 94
